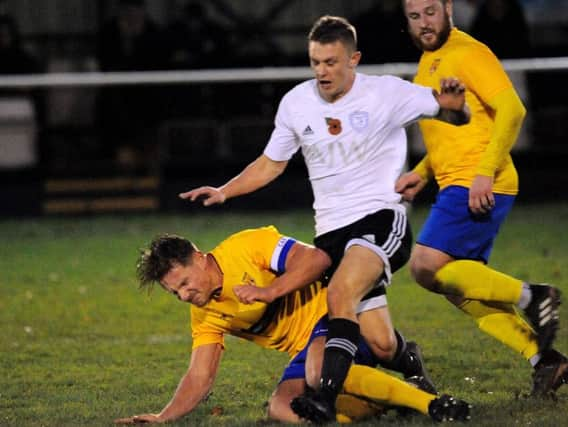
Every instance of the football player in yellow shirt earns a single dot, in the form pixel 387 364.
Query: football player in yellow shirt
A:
pixel 229 288
pixel 478 183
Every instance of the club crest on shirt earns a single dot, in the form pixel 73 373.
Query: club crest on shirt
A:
pixel 434 65
pixel 359 120
pixel 333 125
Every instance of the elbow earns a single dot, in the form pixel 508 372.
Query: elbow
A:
pixel 518 116
pixel 522 113
pixel 269 167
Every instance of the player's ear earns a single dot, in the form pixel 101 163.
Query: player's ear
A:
pixel 354 60
pixel 449 8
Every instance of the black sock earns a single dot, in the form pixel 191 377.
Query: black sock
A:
pixel 340 349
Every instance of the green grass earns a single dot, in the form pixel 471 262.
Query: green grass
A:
pixel 80 345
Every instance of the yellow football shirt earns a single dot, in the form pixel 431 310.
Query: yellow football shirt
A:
pixel 454 152
pixel 256 257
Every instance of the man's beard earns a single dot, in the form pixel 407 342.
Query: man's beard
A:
pixel 442 37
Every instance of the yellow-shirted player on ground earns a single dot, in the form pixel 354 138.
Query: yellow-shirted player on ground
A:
pixel 262 286
pixel 478 183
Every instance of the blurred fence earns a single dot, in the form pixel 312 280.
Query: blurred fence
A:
pixel 184 128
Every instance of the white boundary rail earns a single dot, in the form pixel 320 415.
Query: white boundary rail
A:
pixel 237 74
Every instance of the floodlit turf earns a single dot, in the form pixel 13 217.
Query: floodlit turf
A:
pixel 80 345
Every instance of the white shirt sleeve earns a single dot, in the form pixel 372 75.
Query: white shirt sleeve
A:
pixel 412 102
pixel 283 142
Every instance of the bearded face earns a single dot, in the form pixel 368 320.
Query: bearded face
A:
pixel 429 22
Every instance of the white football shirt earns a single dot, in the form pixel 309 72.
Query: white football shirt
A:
pixel 355 147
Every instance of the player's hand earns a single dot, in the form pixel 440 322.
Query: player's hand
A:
pixel 481 198
pixel 452 94
pixel 139 419
pixel 209 195
pixel 409 185
pixel 249 294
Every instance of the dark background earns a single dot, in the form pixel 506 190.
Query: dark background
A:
pixel 133 148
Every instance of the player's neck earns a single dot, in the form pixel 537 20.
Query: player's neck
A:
pixel 215 269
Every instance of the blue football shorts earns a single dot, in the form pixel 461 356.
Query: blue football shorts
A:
pixel 452 228
pixel 297 366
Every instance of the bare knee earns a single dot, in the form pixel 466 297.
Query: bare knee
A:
pixel 424 263
pixel 422 273
pixel 340 302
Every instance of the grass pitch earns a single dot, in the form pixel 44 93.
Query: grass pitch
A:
pixel 80 345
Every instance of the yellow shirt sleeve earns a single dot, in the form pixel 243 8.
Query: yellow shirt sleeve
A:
pixel 509 115
pixel 207 328
pixel 483 74
pixel 424 169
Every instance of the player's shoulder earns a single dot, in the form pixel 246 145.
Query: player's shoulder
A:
pixel 251 235
pixel 468 44
pixel 381 83
pixel 304 90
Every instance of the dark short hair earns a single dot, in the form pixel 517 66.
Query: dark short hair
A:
pixel 403 2
pixel 159 258
pixel 329 29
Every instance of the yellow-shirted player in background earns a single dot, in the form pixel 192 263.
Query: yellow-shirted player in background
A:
pixel 478 183
pixel 262 286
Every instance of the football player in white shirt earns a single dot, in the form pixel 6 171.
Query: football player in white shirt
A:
pixel 350 128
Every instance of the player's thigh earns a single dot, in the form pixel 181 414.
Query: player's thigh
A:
pixel 279 404
pixel 378 332
pixel 358 272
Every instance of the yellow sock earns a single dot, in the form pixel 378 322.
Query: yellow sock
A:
pixel 384 388
pixel 351 408
pixel 474 280
pixel 503 322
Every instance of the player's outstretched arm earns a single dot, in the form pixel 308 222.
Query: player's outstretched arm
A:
pixel 192 389
pixel 304 265
pixel 256 175
pixel 451 99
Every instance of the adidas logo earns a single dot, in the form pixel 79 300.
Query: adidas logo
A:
pixel 369 238
pixel 308 131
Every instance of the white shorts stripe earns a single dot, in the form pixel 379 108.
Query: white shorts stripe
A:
pixel 398 231
pixel 372 303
